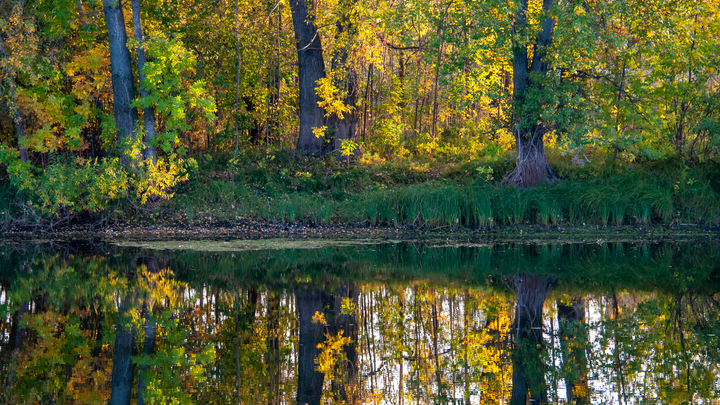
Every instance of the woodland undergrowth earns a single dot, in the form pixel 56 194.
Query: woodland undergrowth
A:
pixel 434 194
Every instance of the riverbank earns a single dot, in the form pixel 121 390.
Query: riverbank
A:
pixel 255 230
pixel 276 195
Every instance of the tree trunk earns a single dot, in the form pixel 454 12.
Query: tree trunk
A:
pixel 531 165
pixel 121 68
pixel 21 136
pixel 527 361
pixel 15 114
pixel 123 370
pixel 311 68
pixel 150 152
pixel 18 332
pixel 344 129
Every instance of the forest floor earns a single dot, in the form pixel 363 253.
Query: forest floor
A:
pixel 279 196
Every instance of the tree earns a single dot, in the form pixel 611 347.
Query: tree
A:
pixel 528 128
pixel 528 369
pixel 121 67
pixel 311 68
pixel 148 112
pixel 310 380
pixel 123 371
pixel 342 125
pixel 573 339
pixel 21 35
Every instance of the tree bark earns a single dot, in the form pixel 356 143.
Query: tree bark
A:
pixel 21 130
pixel 311 68
pixel 531 166
pixel 344 129
pixel 528 375
pixel 150 152
pixel 121 69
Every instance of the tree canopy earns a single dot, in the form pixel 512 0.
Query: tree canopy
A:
pixel 384 79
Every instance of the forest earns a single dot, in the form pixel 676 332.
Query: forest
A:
pixel 425 113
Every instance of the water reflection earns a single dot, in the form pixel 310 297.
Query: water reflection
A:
pixel 381 324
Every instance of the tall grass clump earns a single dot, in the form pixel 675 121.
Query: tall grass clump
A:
pixel 628 198
pixel 642 195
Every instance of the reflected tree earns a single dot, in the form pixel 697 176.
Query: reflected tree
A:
pixel 573 342
pixel 327 323
pixel 310 381
pixel 528 377
pixel 123 371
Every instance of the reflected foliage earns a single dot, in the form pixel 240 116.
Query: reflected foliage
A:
pixel 387 323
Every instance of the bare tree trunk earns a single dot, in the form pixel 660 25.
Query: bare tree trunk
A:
pixel 121 68
pixel 311 68
pixel 237 78
pixel 273 118
pixel 531 165
pixel 437 74
pixel 150 152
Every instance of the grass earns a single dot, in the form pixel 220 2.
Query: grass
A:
pixel 381 196
pixel 442 194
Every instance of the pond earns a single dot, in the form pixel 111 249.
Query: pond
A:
pixel 359 322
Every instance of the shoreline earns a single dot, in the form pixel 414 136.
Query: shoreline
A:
pixel 258 230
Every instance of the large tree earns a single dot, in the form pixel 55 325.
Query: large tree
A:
pixel 121 68
pixel 528 128
pixel 528 376
pixel 311 68
pixel 342 127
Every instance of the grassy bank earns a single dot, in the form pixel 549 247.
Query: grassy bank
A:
pixel 438 194
pixel 465 194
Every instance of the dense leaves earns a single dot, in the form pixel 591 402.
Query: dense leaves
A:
pixel 631 81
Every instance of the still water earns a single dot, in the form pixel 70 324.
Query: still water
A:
pixel 331 322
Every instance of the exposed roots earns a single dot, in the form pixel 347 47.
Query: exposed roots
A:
pixel 531 167
pixel 524 177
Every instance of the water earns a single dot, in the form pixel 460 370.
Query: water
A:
pixel 286 322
